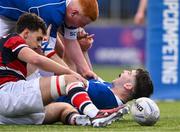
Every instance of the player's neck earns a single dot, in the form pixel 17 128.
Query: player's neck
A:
pixel 22 35
pixel 116 91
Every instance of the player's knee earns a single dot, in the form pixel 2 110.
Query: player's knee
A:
pixel 61 85
pixel 68 82
pixel 58 86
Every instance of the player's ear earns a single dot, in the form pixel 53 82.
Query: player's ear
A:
pixel 128 86
pixel 25 33
pixel 74 12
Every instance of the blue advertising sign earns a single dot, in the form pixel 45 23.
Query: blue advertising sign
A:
pixel 118 45
pixel 163 47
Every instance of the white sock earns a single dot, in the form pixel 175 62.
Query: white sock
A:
pixel 91 110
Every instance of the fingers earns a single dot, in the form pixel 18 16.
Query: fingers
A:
pixel 80 78
pixel 83 80
pixel 86 36
pixel 90 40
pixel 90 75
pixel 82 34
pixel 90 36
pixel 49 31
pixel 95 76
pixel 139 18
pixel 38 50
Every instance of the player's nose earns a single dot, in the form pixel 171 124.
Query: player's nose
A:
pixel 126 71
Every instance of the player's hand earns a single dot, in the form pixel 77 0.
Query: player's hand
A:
pixel 86 43
pixel 38 50
pixel 89 75
pixel 45 46
pixel 81 33
pixel 85 40
pixel 139 18
pixel 80 78
pixel 46 38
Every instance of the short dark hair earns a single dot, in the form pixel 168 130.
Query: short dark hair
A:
pixel 143 84
pixel 30 21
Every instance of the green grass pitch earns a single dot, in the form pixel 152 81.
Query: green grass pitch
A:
pixel 169 117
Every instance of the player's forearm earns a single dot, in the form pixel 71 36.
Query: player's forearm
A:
pixel 59 47
pixel 52 66
pixel 87 59
pixel 59 60
pixel 142 6
pixel 74 52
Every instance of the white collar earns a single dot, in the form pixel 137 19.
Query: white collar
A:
pixel 67 2
pixel 118 100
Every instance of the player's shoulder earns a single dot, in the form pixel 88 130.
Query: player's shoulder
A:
pixel 13 39
pixel 99 84
pixel 44 3
pixel 95 81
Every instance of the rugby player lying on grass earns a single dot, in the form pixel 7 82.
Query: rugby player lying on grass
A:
pixel 129 85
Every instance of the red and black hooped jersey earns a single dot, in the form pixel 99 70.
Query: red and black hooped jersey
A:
pixel 11 68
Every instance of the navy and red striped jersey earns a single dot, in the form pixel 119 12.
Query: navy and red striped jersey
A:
pixel 11 68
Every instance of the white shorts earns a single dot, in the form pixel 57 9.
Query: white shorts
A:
pixel 21 103
pixel 34 75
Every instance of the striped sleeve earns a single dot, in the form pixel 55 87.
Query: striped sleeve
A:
pixel 15 44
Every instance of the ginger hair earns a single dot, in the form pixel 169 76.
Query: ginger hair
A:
pixel 90 8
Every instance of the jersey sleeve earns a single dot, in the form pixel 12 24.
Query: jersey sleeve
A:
pixel 15 44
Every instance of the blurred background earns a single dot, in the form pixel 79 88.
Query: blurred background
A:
pixel 121 44
pixel 118 42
